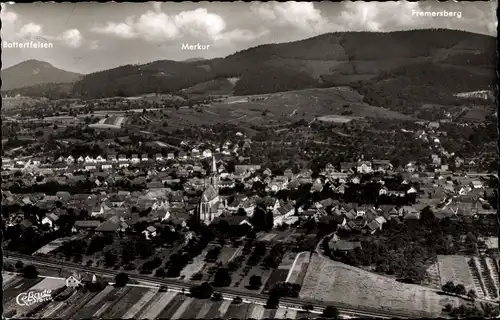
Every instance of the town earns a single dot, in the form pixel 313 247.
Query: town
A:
pixel 209 213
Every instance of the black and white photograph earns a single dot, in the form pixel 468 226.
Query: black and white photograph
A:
pixel 249 160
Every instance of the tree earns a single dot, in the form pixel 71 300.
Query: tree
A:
pixel 460 289
pixel 448 307
pixel 203 291
pixel 237 300
pixel 255 282
pixel 472 294
pixel 110 258
pixel 241 212
pixel 448 287
pixel 269 220
pixel 273 302
pixel 30 272
pixel 471 243
pixel 19 266
pixel 121 280
pixel 330 312
pixel 308 307
pixel 222 278
pixel 160 272
pixel 217 296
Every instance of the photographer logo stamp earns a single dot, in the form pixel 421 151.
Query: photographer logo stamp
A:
pixel 34 296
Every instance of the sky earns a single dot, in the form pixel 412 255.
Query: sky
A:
pixel 89 37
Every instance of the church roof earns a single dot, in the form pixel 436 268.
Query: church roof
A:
pixel 209 194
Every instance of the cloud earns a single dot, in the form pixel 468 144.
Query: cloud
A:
pixel 241 35
pixel 302 16
pixel 72 38
pixel 14 29
pixel 306 19
pixel 6 15
pixel 379 16
pixel 121 30
pixel 157 26
pixel 30 30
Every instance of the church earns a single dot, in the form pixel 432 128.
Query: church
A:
pixel 208 208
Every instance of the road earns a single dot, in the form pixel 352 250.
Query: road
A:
pixel 293 303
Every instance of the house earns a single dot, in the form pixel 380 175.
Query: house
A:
pixel 408 212
pixel 70 160
pixel 73 282
pixel 476 184
pixel 242 169
pixel 347 166
pixel 123 163
pixel 233 221
pixel 107 166
pixel 89 159
pixel 113 224
pixel 100 159
pixel 207 153
pixel 433 125
pixel 144 157
pixel 112 158
pixel 381 165
pixel 86 224
pixel 159 157
pixel 122 158
pixel 412 190
pixel 364 167
pixel 150 232
pixel 135 158
pixel 170 156
pixel 63 196
pixel 50 219
pixel 271 204
pixel 90 166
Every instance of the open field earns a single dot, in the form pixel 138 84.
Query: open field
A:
pixel 337 119
pixel 477 273
pixel 212 87
pixel 54 245
pixel 298 273
pixel 332 281
pixel 275 108
pixel 456 268
pixel 113 122
pixel 278 275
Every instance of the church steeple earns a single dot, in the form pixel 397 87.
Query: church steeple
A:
pixel 214 175
pixel 214 166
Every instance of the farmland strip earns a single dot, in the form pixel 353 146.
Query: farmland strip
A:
pixel 182 308
pixel 91 307
pixel 204 310
pixel 168 311
pixel 108 304
pixel 155 309
pixel 140 304
pixel 223 308
pixel 280 314
pixel 257 312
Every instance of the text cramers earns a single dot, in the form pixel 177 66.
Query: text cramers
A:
pixel 31 297
pixel 457 14
pixel 186 46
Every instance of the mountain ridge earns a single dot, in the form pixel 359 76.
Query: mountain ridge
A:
pixel 330 59
pixel 35 72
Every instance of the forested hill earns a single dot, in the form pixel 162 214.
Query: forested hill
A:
pixel 35 72
pixel 327 60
